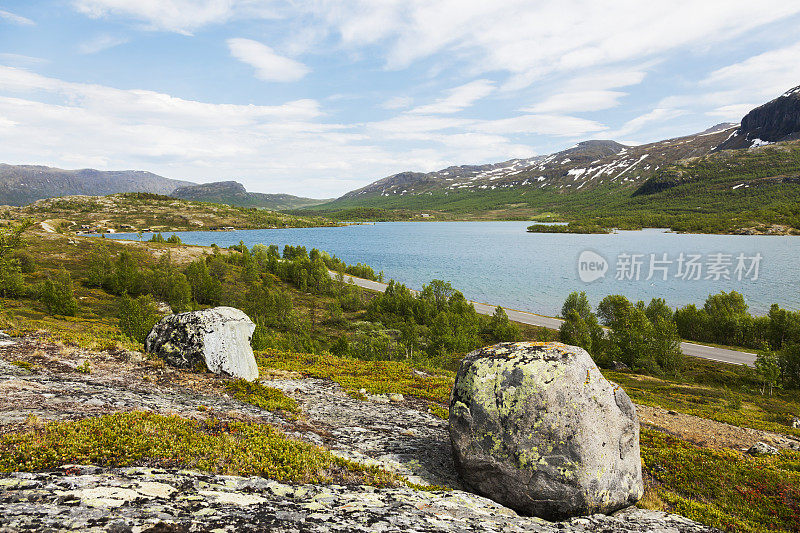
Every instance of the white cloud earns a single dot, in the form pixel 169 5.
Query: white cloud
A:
pixel 543 124
pixel 13 18
pixel 730 92
pixel 533 39
pixel 528 40
pixel 182 16
pixel 458 98
pixel 269 65
pixel 279 148
pixel 658 115
pixel 577 101
pixel 398 102
pixel 100 43
pixel 769 73
pixel 21 60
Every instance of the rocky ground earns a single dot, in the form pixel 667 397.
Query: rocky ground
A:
pixel 395 432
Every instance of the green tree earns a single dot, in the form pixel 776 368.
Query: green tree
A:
pixel 630 338
pixel 575 331
pixel 666 345
pixel 692 323
pixel 206 289
pixel 658 308
pixel 501 328
pixel 57 295
pixel 611 307
pixel 578 302
pixel 12 284
pixel 137 316
pixel 789 361
pixel 727 317
pixel 768 369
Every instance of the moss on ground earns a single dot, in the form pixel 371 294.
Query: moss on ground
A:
pixel 730 406
pixel 231 448
pixel 723 488
pixel 257 394
pixel 376 377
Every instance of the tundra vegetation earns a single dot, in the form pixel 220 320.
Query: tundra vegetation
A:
pixel 109 294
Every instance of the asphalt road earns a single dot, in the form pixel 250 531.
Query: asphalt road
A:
pixel 523 317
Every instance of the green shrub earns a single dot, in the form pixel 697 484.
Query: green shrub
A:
pixel 12 284
pixel 26 262
pixel 137 316
pixel 584 332
pixel 257 394
pixel 232 448
pixel 206 289
pixel 57 295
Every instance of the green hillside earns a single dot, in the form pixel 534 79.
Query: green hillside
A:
pixel 720 192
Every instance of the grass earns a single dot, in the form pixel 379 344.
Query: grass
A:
pixel 257 394
pixel 234 448
pixel 376 377
pixel 722 488
pixel 25 365
pixel 733 406
pixel 87 330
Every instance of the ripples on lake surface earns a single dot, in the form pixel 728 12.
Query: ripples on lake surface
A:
pixel 500 263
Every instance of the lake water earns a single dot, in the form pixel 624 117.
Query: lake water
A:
pixel 500 263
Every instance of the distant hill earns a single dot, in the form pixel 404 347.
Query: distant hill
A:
pixel 584 167
pixel 234 193
pixel 132 212
pixel 23 184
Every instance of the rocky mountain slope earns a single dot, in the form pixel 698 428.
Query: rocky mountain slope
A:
pixel 587 166
pixel 583 167
pixel 23 184
pixel 234 193
pixel 775 121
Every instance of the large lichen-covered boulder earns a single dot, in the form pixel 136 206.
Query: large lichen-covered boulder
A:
pixel 218 338
pixel 537 428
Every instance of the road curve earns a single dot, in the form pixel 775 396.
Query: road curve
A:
pixel 689 348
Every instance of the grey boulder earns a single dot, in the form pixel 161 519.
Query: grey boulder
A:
pixel 762 448
pixel 537 428
pixel 218 338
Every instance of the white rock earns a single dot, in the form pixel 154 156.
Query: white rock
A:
pixel 218 337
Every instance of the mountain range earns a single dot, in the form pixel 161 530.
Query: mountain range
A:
pixel 726 169
pixel 748 171
pixel 23 184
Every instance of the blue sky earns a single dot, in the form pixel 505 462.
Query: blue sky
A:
pixel 320 97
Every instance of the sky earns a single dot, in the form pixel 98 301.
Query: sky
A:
pixel 317 98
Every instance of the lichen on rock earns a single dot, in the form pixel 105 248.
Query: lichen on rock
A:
pixel 217 339
pixel 537 428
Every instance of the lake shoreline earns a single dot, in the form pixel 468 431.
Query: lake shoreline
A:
pixel 499 262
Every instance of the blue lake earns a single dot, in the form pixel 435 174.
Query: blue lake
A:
pixel 500 263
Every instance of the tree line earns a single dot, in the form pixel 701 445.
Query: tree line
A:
pixel 646 337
